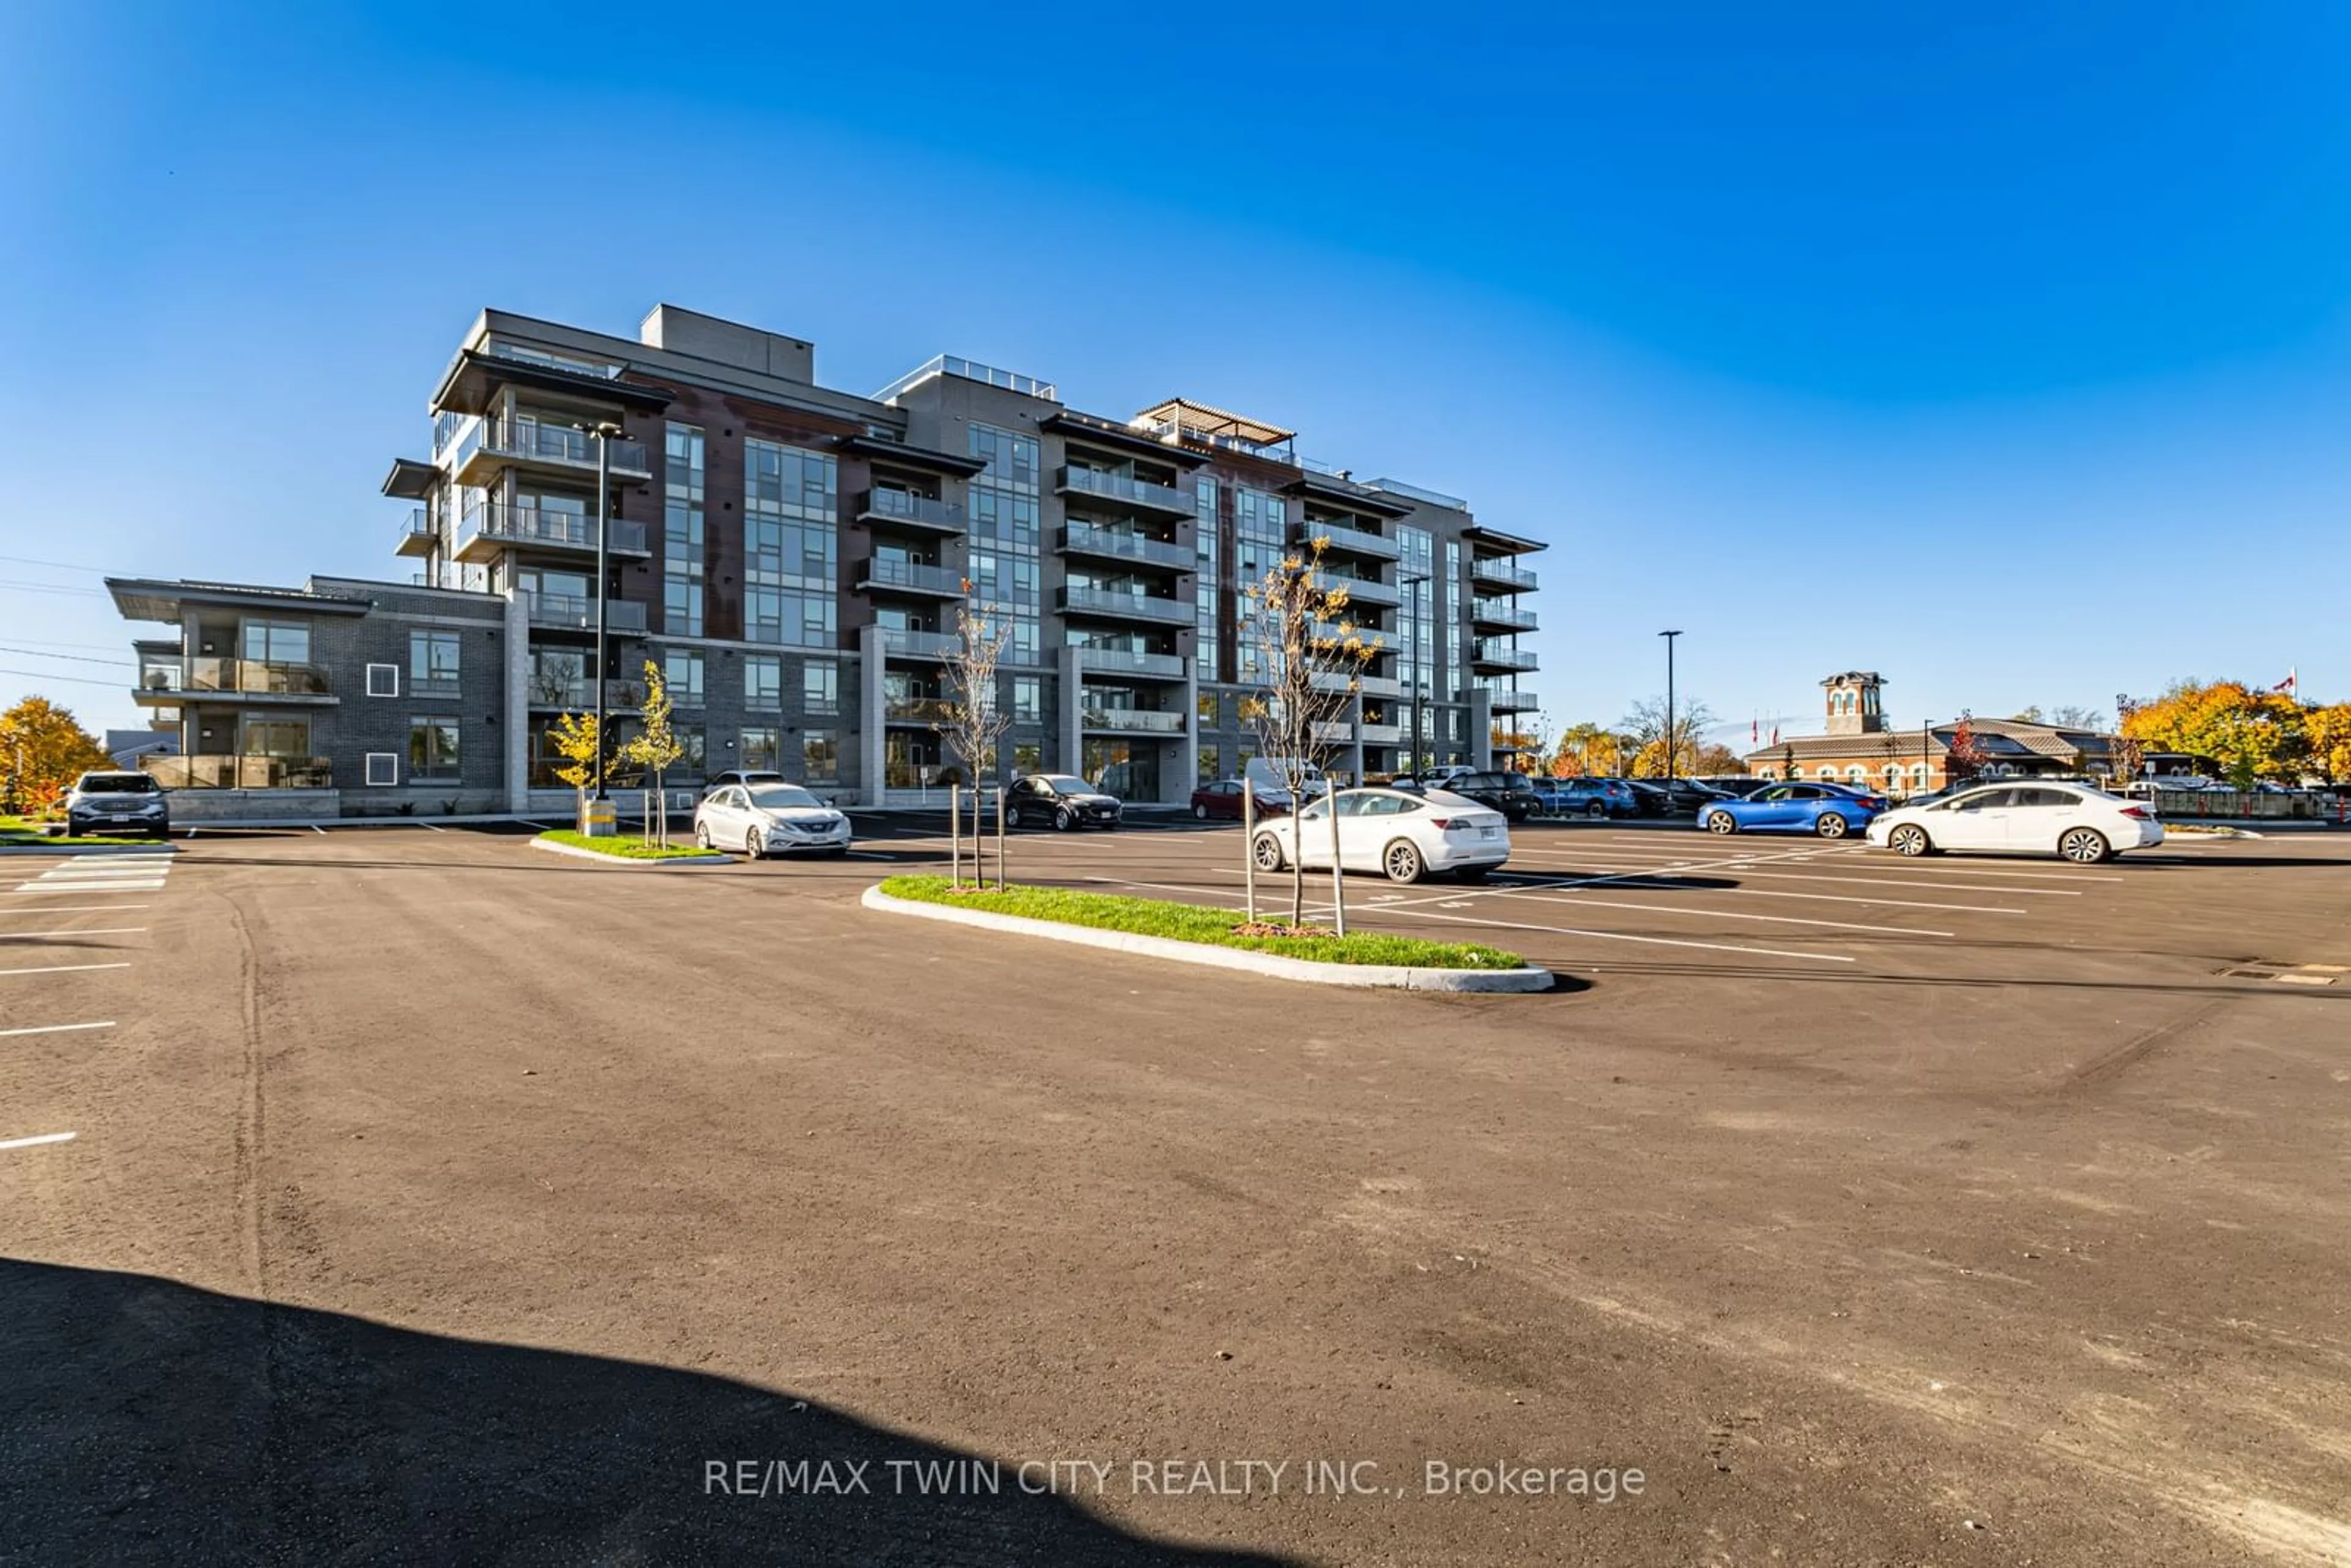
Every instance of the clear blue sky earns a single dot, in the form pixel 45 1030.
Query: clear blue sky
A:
pixel 2002 349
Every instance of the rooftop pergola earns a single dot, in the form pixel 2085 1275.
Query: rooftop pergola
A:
pixel 1213 424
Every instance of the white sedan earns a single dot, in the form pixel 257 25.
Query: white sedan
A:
pixel 2084 825
pixel 762 820
pixel 1404 834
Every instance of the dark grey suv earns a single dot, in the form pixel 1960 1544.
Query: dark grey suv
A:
pixel 119 803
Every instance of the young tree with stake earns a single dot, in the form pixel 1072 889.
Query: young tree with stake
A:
pixel 577 740
pixel 1310 657
pixel 975 721
pixel 655 750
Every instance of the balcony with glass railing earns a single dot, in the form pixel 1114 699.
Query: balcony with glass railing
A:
pixel 1119 720
pixel 1131 662
pixel 487 530
pixel 1504 613
pixel 488 444
pixel 1492 653
pixel 577 612
pixel 907 642
pixel 1380 734
pixel 1497 571
pixel 1513 702
pixel 1340 540
pixel 1112 544
pixel 207 771
pixel 1362 591
pixel 1098 484
pixel 417 535
pixel 905 509
pixel 269 678
pixel 917 710
pixel 1121 605
pixel 885 575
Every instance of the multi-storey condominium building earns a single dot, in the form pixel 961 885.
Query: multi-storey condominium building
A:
pixel 791 556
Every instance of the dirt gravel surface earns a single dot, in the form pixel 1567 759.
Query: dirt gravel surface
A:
pixel 433 1200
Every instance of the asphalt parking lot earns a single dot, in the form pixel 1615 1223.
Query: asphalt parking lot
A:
pixel 404 1184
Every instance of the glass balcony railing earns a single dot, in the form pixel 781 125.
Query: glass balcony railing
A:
pixel 1136 606
pixel 416 535
pixel 1502 613
pixel 920 645
pixel 214 772
pixel 548 528
pixel 1131 720
pixel 1513 702
pixel 1119 488
pixel 1130 661
pixel 1339 539
pixel 577 612
pixel 1495 570
pixel 1502 656
pixel 573 693
pixel 902 506
pixel 532 441
pixel 259 677
pixel 917 710
pixel 883 573
pixel 1083 540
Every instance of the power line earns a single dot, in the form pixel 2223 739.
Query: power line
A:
pixel 61 565
pixel 51 588
pixel 76 658
pixel 71 680
pixel 52 643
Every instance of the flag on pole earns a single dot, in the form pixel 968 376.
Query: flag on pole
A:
pixel 1754 732
pixel 2290 686
pixel 1775 734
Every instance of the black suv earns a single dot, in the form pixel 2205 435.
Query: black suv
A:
pixel 122 803
pixel 1512 794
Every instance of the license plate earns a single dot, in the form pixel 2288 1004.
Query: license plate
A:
pixel 1485 832
pixel 118 819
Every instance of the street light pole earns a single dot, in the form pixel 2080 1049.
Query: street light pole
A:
pixel 603 434
pixel 1670 637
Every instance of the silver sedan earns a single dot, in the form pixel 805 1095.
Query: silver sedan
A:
pixel 762 820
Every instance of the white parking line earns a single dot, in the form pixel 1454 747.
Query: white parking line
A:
pixel 318 830
pixel 30 892
pixel 44 1138
pixel 93 931
pixel 64 969
pixel 1627 936
pixel 55 1028
pixel 1728 914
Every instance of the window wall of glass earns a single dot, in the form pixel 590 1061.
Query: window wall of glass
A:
pixel 791 546
pixel 1006 570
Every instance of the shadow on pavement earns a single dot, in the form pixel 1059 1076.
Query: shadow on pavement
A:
pixel 152 1422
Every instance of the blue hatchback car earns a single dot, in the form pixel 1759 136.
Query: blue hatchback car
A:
pixel 1831 811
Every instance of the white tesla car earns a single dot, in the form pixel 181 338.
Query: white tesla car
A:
pixel 2084 825
pixel 1404 834
pixel 762 820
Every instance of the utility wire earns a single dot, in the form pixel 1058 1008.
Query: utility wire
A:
pixel 74 680
pixel 76 658
pixel 61 565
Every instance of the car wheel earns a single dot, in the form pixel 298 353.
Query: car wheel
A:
pixel 1911 840
pixel 2085 846
pixel 1267 853
pixel 1200 813
pixel 1722 823
pixel 1597 811
pixel 1831 825
pixel 702 836
pixel 755 844
pixel 1013 816
pixel 1402 861
pixel 1062 821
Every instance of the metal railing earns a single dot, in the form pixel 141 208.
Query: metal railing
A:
pixel 1131 662
pixel 1354 541
pixel 883 573
pixel 1493 568
pixel 513 524
pixel 413 528
pixel 219 772
pixel 529 440
pixel 917 710
pixel 268 677
pixel 1501 613
pixel 920 645
pixel 1087 540
pixel 1489 651
pixel 902 506
pixel 1414 492
pixel 577 612
pixel 1140 606
pixel 1513 702
pixel 970 370
pixel 1120 487
pixel 1142 721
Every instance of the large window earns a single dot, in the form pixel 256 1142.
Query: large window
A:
pixel 432 750
pixel 277 737
pixel 791 546
pixel 762 746
pixel 1261 540
pixel 685 475
pixel 820 756
pixel 1207 769
pixel 1416 631
pixel 681 674
pixel 1206 586
pixel 1006 578
pixel 820 687
pixel 763 681
pixel 277 641
pixel 1027 699
pixel 432 663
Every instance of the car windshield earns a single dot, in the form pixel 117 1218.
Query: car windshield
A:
pixel 782 797
pixel 119 784
pixel 1064 784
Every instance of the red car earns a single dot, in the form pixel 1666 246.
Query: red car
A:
pixel 1221 801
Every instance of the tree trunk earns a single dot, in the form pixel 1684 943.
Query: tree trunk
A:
pixel 1298 878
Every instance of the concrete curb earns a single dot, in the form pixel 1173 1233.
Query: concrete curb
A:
pixel 69 847
pixel 575 853
pixel 1386 977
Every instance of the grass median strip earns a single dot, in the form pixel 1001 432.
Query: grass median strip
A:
pixel 16 832
pixel 620 847
pixel 1199 923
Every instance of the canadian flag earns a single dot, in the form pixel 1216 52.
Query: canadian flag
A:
pixel 2290 686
